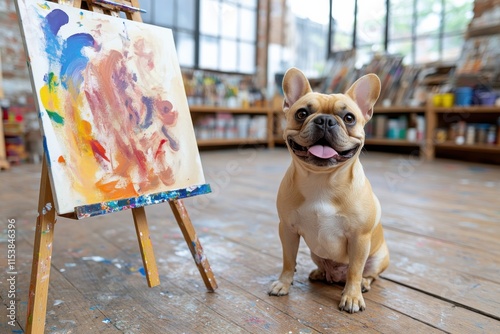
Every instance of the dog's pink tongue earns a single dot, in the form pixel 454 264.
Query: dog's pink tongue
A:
pixel 323 152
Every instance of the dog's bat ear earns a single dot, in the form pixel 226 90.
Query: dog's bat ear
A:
pixel 365 92
pixel 295 85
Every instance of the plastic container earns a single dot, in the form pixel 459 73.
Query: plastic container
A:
pixel 463 96
pixel 487 98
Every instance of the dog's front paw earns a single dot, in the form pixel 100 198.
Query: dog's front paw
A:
pixel 278 288
pixel 352 301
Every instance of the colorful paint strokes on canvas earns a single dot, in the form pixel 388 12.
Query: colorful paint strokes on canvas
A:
pixel 114 114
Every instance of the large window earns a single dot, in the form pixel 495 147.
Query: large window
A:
pixel 228 35
pixel 307 35
pixel 421 30
pixel 209 34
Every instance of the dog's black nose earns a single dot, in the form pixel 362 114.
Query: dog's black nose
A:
pixel 325 121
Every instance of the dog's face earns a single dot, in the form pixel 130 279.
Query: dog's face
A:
pixel 325 131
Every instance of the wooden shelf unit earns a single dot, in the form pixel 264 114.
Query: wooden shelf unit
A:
pixel 391 142
pixel 398 110
pixel 269 140
pixel 433 115
pixel 427 146
pixel 483 148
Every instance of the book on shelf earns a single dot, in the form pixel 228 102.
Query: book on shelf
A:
pixel 399 81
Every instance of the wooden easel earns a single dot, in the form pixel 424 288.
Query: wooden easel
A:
pixel 44 234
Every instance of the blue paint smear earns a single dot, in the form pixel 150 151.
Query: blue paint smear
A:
pixel 73 62
pixel 142 271
pixel 148 120
pixel 51 25
pixel 46 150
pixel 171 141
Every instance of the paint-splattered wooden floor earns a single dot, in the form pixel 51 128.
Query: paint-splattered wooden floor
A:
pixel 442 225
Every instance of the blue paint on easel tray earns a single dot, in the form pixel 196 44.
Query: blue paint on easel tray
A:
pixel 142 271
pixel 97 209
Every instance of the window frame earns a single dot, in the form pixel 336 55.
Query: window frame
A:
pixel 440 36
pixel 197 35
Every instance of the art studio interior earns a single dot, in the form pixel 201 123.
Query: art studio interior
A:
pixel 163 162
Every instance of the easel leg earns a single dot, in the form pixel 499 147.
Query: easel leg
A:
pixel 42 254
pixel 194 245
pixel 148 256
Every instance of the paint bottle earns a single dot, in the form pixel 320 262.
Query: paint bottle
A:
pixel 491 136
pixel 498 131
pixel 460 134
pixel 470 135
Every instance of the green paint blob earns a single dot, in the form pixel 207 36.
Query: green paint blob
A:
pixel 56 117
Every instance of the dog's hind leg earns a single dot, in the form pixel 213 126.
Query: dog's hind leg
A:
pixel 318 274
pixel 375 264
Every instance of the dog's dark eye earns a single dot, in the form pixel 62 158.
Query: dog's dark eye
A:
pixel 301 114
pixel 349 119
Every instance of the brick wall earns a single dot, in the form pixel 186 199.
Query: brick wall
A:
pixel 16 82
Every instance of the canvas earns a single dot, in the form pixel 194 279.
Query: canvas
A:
pixel 112 105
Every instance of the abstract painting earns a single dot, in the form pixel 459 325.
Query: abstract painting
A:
pixel 112 105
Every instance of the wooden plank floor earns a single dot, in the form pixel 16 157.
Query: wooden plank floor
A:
pixel 442 225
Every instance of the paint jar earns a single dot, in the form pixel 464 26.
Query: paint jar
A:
pixel 482 131
pixel 441 135
pixel 470 135
pixel 463 96
pixel 411 134
pixel 492 134
pixel 460 133
pixel 498 131
pixel 437 100
pixel 448 100
pixel 487 98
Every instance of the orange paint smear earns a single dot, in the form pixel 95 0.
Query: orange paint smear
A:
pixel 111 189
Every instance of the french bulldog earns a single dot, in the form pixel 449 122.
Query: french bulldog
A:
pixel 324 196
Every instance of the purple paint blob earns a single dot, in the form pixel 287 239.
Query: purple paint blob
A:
pixel 55 20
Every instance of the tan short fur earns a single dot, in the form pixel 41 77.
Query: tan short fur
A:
pixel 327 199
